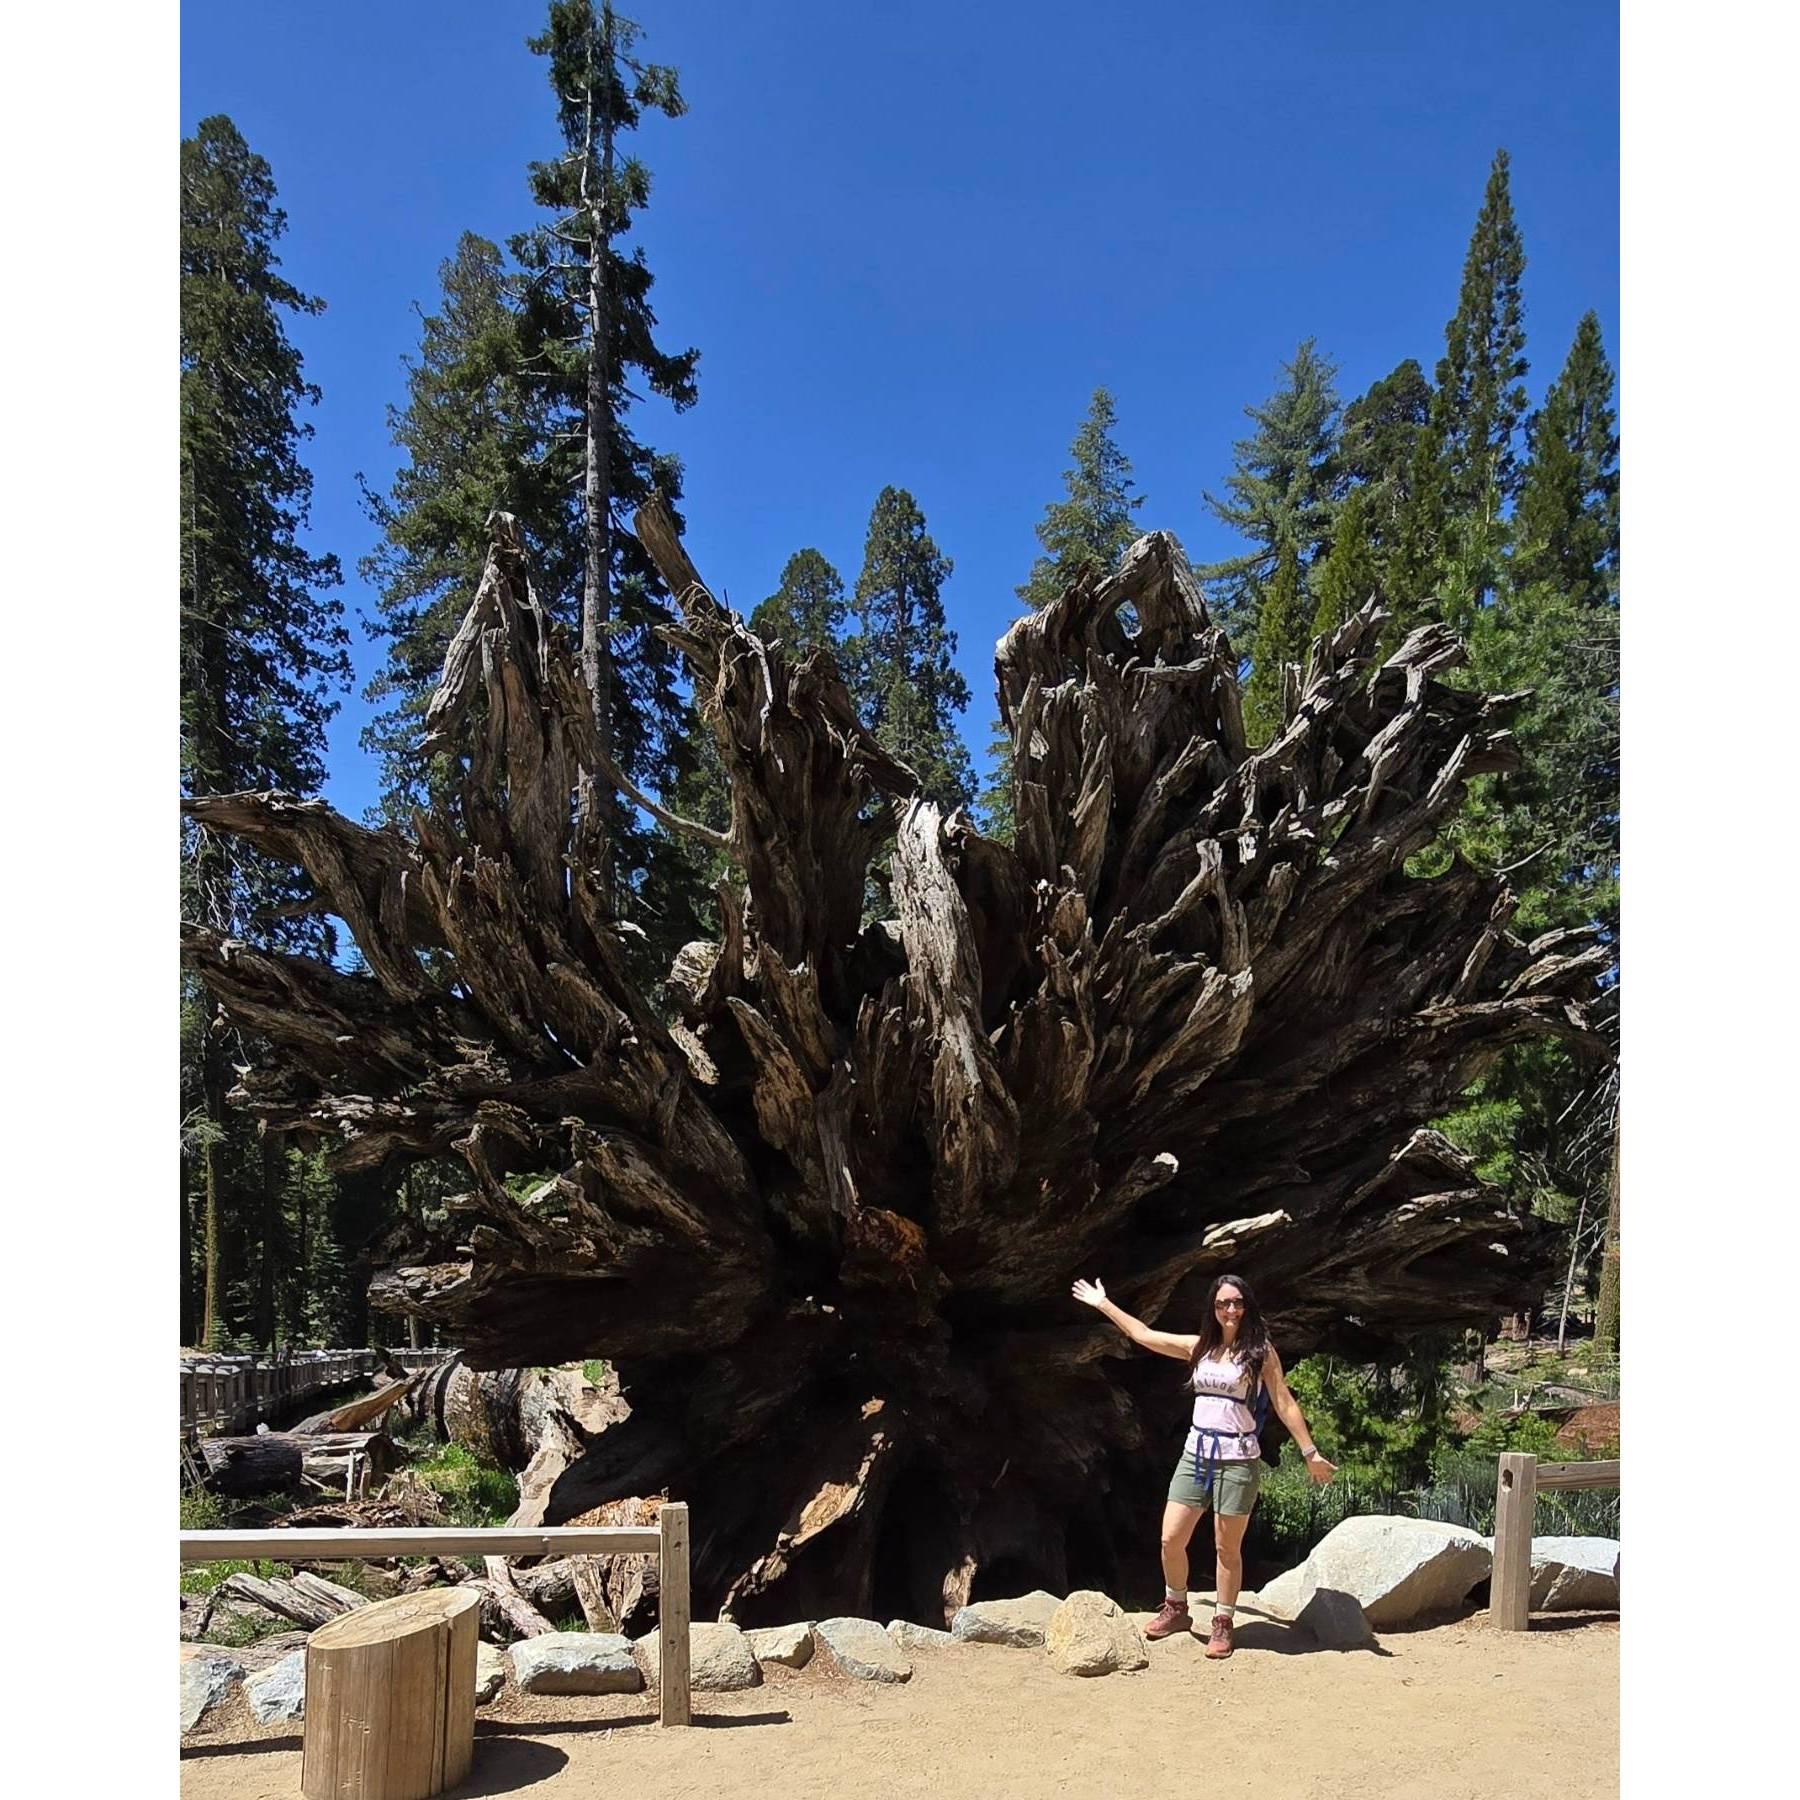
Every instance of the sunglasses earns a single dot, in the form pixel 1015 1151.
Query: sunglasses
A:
pixel 1228 1305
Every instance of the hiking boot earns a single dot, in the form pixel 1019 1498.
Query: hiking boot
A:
pixel 1219 1644
pixel 1173 1618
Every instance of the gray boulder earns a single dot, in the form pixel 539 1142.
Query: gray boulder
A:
pixel 1089 1634
pixel 490 1673
pixel 205 1682
pixel 1396 1569
pixel 1281 1598
pixel 720 1659
pixel 1335 1620
pixel 789 1645
pixel 278 1693
pixel 576 1662
pixel 1019 1623
pixel 861 1648
pixel 1572 1573
pixel 917 1637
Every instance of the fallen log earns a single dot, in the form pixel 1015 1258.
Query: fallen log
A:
pixel 271 1460
pixel 358 1415
pixel 307 1608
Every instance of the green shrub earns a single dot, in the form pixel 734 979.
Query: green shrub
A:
pixel 474 1493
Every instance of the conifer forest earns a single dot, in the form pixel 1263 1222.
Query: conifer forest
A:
pixel 728 991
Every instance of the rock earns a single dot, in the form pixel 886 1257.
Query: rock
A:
pixel 490 1673
pixel 789 1645
pixel 278 1693
pixel 917 1637
pixel 1281 1598
pixel 1396 1569
pixel 265 1653
pixel 720 1659
pixel 576 1662
pixel 861 1648
pixel 1335 1620
pixel 1570 1573
pixel 1089 1634
pixel 205 1682
pixel 1019 1623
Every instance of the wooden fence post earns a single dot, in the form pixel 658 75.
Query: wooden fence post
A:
pixel 672 1614
pixel 1515 1506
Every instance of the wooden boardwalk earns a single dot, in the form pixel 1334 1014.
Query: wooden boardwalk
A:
pixel 232 1394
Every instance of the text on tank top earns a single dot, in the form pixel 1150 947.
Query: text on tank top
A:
pixel 1224 1428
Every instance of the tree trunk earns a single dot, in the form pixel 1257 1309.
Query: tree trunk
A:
pixel 825 1222
pixel 271 1241
pixel 1606 1309
pixel 213 1177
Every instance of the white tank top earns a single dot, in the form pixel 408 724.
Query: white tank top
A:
pixel 1224 1427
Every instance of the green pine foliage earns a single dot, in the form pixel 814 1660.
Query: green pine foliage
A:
pixel 1281 638
pixel 1094 523
pixel 902 676
pixel 472 434
pixel 807 611
pixel 263 654
pixel 1352 571
pixel 1478 408
pixel 1282 493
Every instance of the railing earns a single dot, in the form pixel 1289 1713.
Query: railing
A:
pixel 667 1542
pixel 1522 1477
pixel 234 1393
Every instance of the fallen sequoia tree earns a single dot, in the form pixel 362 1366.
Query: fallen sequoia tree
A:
pixel 823 1217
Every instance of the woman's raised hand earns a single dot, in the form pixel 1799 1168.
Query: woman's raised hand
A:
pixel 1089 1293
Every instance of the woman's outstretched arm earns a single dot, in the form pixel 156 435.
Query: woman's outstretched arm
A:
pixel 1164 1343
pixel 1287 1409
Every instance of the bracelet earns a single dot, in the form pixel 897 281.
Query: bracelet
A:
pixel 1308 1455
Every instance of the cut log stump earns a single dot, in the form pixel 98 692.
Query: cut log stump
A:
pixel 390 1699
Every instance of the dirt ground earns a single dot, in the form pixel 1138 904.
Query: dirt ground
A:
pixel 1455 1711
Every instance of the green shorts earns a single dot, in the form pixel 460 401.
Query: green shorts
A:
pixel 1234 1486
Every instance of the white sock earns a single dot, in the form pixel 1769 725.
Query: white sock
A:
pixel 1173 1598
pixel 1219 1607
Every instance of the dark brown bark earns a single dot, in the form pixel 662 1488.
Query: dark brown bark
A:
pixel 824 1222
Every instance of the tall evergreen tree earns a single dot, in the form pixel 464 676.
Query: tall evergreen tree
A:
pixel 1353 569
pixel 1281 638
pixel 906 685
pixel 1282 492
pixel 473 432
pixel 263 649
pixel 1093 523
pixel 807 611
pixel 1479 406
pixel 589 326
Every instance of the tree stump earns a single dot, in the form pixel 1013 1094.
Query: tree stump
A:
pixel 390 1699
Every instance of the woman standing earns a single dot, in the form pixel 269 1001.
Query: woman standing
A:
pixel 1221 1463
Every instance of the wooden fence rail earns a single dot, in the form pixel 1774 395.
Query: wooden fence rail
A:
pixel 1522 1477
pixel 235 1393
pixel 668 1543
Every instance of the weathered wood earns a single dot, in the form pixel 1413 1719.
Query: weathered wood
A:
pixel 1515 1506
pixel 284 1598
pixel 1191 1019
pixel 390 1699
pixel 672 1640
pixel 272 1460
pixel 308 1546
pixel 1577 1475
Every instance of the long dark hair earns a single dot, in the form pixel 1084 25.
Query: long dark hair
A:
pixel 1253 1331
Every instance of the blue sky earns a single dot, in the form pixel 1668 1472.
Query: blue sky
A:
pixel 910 238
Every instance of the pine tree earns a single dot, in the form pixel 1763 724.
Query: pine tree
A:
pixel 1554 630
pixel 263 650
pixel 900 665
pixel 1352 571
pixel 807 611
pixel 1281 638
pixel 1282 492
pixel 588 327
pixel 1380 467
pixel 1479 405
pixel 1094 524
pixel 473 431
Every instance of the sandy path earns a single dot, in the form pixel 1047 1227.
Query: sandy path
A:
pixel 1455 1712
